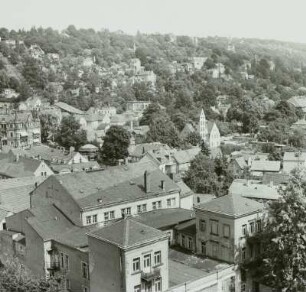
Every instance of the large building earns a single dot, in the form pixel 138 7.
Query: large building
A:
pixel 19 130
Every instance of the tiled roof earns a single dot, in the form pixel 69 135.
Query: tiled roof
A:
pixel 128 233
pixel 185 156
pixel 165 217
pixel 11 167
pixel 83 184
pixel 231 205
pixel 259 165
pixel 140 150
pixel 68 108
pixel 129 191
pixel 253 189
pixel 185 190
pixel 241 162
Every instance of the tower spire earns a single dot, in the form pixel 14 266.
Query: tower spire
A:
pixel 203 125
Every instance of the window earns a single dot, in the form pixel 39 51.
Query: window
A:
pixel 203 225
pixel 139 209
pixel 67 284
pixel 258 225
pixel 159 203
pixel 112 214
pixel 214 227
pixel 64 261
pixel 106 216
pixel 252 227
pixel 85 289
pixel 154 206
pixel 157 284
pixel 244 229
pixel 136 265
pixel 67 262
pixel 171 202
pixel 42 174
pixel 147 261
pixel 88 219
pixel 157 258
pixel 168 202
pixel 203 247
pixel 226 230
pixel 137 288
pixel 189 242
pixel 243 253
pixel 144 208
pixel 85 270
pixel 215 249
pixel 94 218
pixel 183 240
pixel 126 211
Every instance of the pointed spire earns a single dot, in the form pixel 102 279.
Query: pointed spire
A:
pixel 203 126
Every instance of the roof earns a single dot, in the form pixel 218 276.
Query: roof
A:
pixel 298 101
pixel 3 213
pixel 185 190
pixel 83 184
pixel 253 189
pixel 231 205
pixel 187 227
pixel 83 166
pixel 162 218
pixel 241 162
pixel 185 156
pixel 128 233
pixel 128 191
pixel 266 165
pixel 12 166
pixel 68 108
pixel 88 147
pixel 294 156
pixel 140 150
pixel 275 178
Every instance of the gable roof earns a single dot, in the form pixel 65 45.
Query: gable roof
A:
pixel 294 156
pixel 128 233
pixel 140 150
pixel 12 166
pixel 185 156
pixel 231 205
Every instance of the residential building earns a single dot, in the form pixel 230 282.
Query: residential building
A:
pixel 101 196
pixel 299 102
pixel 15 166
pixel 198 62
pixel 68 109
pixel 128 256
pixel 137 105
pixel 258 167
pixel 292 160
pixel 9 93
pixel 183 159
pixel 138 151
pixel 90 151
pixel 222 226
pixel 19 129
pixel 185 234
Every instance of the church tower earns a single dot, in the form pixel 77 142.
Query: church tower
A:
pixel 203 126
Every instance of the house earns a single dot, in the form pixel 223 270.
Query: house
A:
pixel 198 62
pixel 36 52
pixel 222 226
pixel 75 167
pixel 299 102
pixel 90 151
pixel 218 71
pixel 128 256
pixel 254 189
pixel 258 168
pixel 19 129
pixel 188 128
pixel 15 166
pixel 238 166
pixel 276 179
pixel 299 125
pixel 292 160
pixel 9 93
pixel 66 108
pixel 183 159
pixel 136 152
pixel 137 105
pixel 185 234
pixel 101 196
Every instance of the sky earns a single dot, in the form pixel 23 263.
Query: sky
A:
pixel 266 19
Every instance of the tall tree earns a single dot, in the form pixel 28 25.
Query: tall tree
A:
pixel 115 146
pixel 281 263
pixel 70 133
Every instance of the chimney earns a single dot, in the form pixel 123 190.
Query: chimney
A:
pixel 147 181
pixel 162 185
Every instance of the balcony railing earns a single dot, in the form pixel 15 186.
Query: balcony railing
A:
pixel 152 274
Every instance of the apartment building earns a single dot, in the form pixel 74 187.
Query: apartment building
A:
pixel 128 256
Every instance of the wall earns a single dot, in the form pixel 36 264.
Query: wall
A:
pixel 133 279
pixel 104 266
pixel 43 167
pixel 51 191
pixel 186 202
pixel 17 222
pixel 117 208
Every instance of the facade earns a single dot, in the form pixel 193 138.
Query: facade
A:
pixel 19 130
pixel 137 106
pixel 128 256
pixel 222 227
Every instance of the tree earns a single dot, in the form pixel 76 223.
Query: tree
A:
pixel 193 138
pixel 281 264
pixel 151 112
pixel 164 131
pixel 70 133
pixel 15 277
pixel 115 146
pixel 205 149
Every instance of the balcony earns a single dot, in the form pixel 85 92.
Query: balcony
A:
pixel 53 266
pixel 152 274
